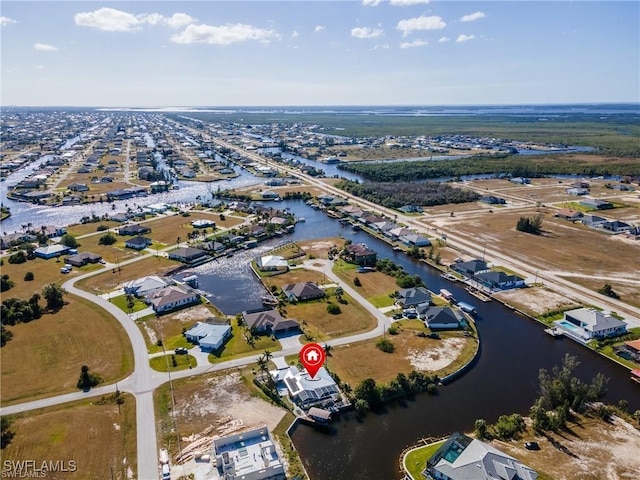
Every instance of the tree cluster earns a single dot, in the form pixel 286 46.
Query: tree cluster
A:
pixel 107 239
pixel 530 224
pixel 5 283
pixel 87 380
pixel 608 290
pixel 403 279
pixel 369 394
pixel 395 194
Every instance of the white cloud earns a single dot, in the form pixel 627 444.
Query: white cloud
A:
pixel 473 16
pixel 415 43
pixel 39 67
pixel 382 46
pixel 402 3
pixel 6 21
pixel 366 32
pixel 175 21
pixel 443 39
pixel 371 3
pixel 420 23
pixel 112 20
pixel 464 38
pixel 44 47
pixel 224 34
pixel 318 29
pixel 295 34
pixel 108 20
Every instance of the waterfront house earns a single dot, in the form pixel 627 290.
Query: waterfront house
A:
pixel 142 286
pixel 272 263
pixel 138 243
pixel 249 455
pixel 398 232
pixel 629 351
pixel 415 240
pixel 360 254
pixel 171 298
pixel 306 391
pixel 584 324
pixel 210 335
pixel 50 251
pixel 133 230
pixel 470 268
pixel 499 280
pixel 81 259
pixel 596 203
pixel 440 318
pixel 464 458
pixel 411 297
pixel 298 292
pixel 187 254
pixel 267 322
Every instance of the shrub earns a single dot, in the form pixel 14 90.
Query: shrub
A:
pixel 102 228
pixel 333 309
pixel 356 282
pixel 69 241
pixel 18 257
pixel 107 239
pixel 6 283
pixel 385 345
pixel 28 277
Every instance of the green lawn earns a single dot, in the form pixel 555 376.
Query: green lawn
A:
pixel 121 303
pixel 237 346
pixel 165 363
pixel 416 460
pixel 382 300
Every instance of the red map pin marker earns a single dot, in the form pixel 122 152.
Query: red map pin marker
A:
pixel 312 357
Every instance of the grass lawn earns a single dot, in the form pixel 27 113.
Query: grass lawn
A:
pixel 98 436
pixel 416 460
pixel 296 275
pixel 44 357
pixel 167 229
pixel 109 281
pixel 375 286
pixel 357 361
pixel 121 303
pixel 111 253
pixel 165 362
pixel 629 292
pixel 321 325
pixel 44 272
pixel 88 228
pixel 237 346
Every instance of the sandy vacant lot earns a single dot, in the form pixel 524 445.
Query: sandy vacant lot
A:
pixel 434 359
pixel 536 300
pixel 591 450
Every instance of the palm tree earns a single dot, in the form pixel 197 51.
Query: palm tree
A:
pixel 267 356
pixel 177 241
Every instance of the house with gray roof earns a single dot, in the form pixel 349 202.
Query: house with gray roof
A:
pixel 187 255
pixel 410 297
pixel 584 324
pixel 497 280
pixel 210 335
pixel 301 291
pixel 140 287
pixel 171 298
pixel 269 322
pixel 440 318
pixel 470 268
pixel 306 391
pixel 81 259
pixel 596 203
pixel 464 458
pixel 50 251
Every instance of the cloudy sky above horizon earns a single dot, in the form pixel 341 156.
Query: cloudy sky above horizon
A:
pixel 364 52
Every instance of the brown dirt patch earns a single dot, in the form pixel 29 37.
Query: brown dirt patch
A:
pixel 591 450
pixel 536 300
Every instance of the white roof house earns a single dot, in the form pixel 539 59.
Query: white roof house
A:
pixel 209 336
pixel 203 223
pixel 248 455
pixel 144 285
pixel 272 262
pixel 307 391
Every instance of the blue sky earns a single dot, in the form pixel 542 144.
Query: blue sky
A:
pixel 390 52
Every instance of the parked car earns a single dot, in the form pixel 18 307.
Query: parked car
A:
pixel 102 261
pixel 181 351
pixel 531 445
pixel 397 316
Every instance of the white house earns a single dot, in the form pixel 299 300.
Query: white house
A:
pixel 584 324
pixel 270 263
pixel 171 298
pixel 210 336
pixel 249 455
pixel 203 223
pixel 140 287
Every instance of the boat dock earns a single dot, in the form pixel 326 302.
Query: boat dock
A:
pixel 554 332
